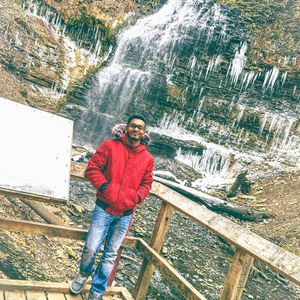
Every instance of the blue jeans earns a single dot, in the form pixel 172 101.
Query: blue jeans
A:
pixel 113 228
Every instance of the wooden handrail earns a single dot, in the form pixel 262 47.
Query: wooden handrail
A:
pixel 31 196
pixel 36 228
pixel 275 257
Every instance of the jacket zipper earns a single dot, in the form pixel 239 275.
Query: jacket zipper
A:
pixel 129 156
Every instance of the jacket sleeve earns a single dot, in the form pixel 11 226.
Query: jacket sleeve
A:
pixel 96 166
pixel 146 183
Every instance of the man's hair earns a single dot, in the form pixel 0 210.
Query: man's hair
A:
pixel 136 116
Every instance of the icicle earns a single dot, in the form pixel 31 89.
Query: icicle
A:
pixel 263 124
pixel 249 78
pixel 283 78
pixel 213 64
pixel 270 79
pixel 236 66
pixel 240 116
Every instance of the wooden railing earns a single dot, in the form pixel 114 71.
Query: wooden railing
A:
pixel 186 289
pixel 249 246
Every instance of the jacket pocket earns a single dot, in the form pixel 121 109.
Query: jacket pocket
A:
pixel 128 199
pixel 109 195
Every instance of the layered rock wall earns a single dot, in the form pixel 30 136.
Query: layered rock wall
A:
pixel 49 49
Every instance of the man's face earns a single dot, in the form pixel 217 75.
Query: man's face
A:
pixel 135 130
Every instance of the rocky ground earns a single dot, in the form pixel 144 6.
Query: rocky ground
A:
pixel 279 196
pixel 201 257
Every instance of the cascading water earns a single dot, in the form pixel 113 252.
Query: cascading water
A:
pixel 147 52
pixel 185 67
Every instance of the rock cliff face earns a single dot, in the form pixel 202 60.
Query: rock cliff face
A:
pixel 32 58
pixel 49 49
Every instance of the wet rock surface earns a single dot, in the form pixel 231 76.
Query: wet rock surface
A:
pixel 29 54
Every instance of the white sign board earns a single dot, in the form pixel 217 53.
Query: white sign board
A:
pixel 35 150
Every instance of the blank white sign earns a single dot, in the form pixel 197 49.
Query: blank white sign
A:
pixel 35 150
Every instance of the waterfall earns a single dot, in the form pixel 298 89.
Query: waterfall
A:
pixel 186 68
pixel 144 59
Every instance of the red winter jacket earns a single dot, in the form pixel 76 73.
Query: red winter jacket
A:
pixel 128 172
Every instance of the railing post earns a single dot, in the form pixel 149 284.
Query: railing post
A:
pixel 156 243
pixel 237 276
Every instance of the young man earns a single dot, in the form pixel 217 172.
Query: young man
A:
pixel 121 171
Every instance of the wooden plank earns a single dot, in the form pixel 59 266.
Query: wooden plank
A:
pixel 237 276
pixel 129 242
pixel 126 295
pixel 114 290
pixel 29 285
pixel 119 292
pixel 52 287
pixel 56 296
pixel 171 274
pixel 270 254
pixel 30 196
pixel 157 239
pixel 161 226
pixel 73 297
pixel 14 295
pixel 247 266
pixel 110 297
pixel 32 295
pixel 42 229
pixel 52 230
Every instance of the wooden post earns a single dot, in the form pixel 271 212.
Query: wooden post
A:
pixel 156 243
pixel 241 178
pixel 237 276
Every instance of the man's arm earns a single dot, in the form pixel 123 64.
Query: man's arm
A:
pixel 146 183
pixel 96 165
